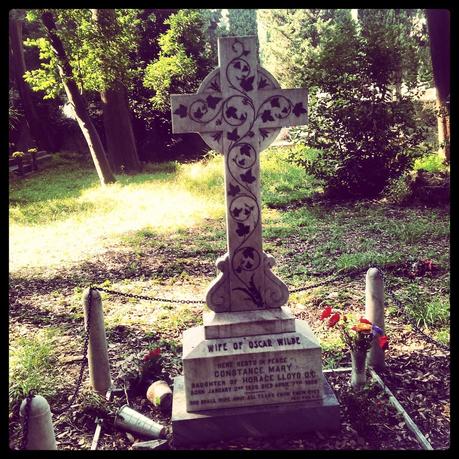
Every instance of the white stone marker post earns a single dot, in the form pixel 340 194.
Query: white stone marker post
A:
pixel 374 312
pixel 99 366
pixel 40 431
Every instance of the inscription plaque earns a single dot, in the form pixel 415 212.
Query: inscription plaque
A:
pixel 256 370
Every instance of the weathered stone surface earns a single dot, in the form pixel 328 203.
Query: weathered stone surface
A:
pixel 99 365
pixel 40 425
pixel 251 370
pixel 254 421
pixel 248 323
pixel 237 109
pixel 374 312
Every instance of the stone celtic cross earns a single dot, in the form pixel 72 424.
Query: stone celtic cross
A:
pixel 238 110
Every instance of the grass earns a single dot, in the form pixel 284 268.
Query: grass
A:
pixel 32 364
pixel 282 182
pixel 60 217
pixel 431 163
pixel 427 311
pixel 53 223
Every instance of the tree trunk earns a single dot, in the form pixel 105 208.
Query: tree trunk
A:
pixel 438 23
pixel 78 103
pixel 118 130
pixel 117 118
pixel 37 128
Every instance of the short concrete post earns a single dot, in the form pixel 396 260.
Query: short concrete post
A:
pixel 99 367
pixel 374 312
pixel 40 431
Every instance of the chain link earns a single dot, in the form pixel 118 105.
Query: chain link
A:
pixel 148 298
pixel 350 273
pixel 25 422
pixel 169 300
pixel 85 358
pixel 329 281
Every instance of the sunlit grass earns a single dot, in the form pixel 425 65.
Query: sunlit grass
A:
pixel 282 181
pixel 52 231
pixel 32 361
pixel 63 216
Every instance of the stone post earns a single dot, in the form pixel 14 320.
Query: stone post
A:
pixel 40 432
pixel 99 367
pixel 374 312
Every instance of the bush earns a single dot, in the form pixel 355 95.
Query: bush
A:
pixel 399 190
pixel 363 144
pixel 430 163
pixel 365 134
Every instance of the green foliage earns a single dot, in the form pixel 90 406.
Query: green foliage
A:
pixel 398 190
pixel 364 132
pixel 242 22
pixel 283 182
pixel 214 28
pixel 46 78
pixel 32 364
pixel 443 336
pixel 425 310
pixel 289 39
pixel 183 59
pixel 99 52
pixel 177 71
pixel 431 163
pixel 14 111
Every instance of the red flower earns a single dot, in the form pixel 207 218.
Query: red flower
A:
pixel 326 313
pixel 152 354
pixel 364 321
pixel 333 319
pixel 429 264
pixel 383 342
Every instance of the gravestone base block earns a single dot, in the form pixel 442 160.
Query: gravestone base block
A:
pixel 253 421
pixel 248 323
pixel 251 370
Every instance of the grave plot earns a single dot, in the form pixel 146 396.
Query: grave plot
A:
pixel 252 365
pixel 385 428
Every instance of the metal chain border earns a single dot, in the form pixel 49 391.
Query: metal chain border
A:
pixel 85 358
pixel 350 273
pixel 25 422
pixel 148 298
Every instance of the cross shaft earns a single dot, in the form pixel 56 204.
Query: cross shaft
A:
pixel 236 110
